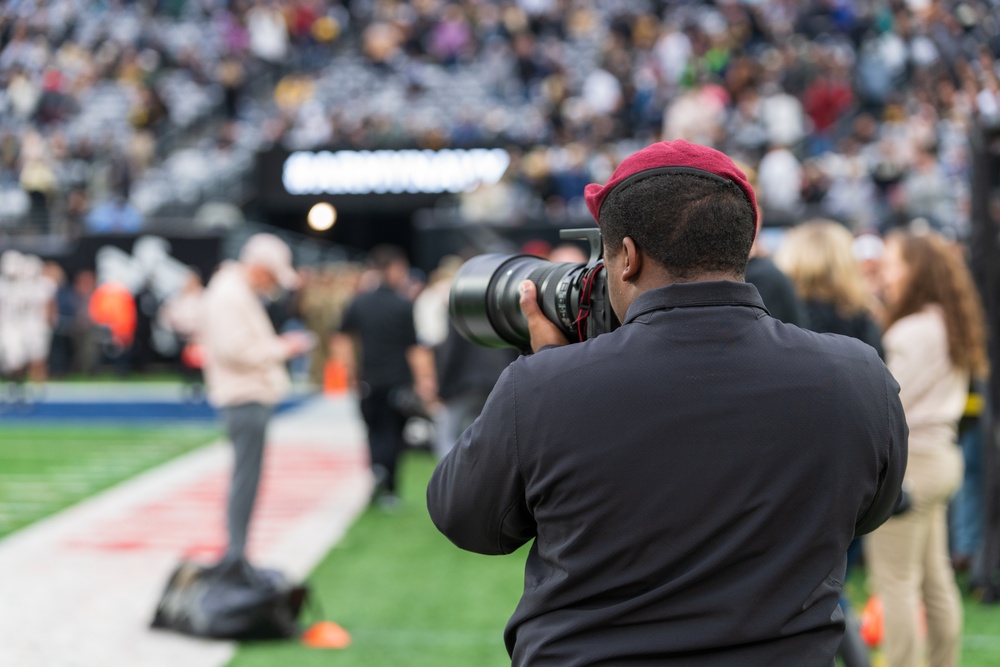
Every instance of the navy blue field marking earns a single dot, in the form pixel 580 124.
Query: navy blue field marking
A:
pixel 118 411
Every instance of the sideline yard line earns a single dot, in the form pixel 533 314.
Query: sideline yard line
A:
pixel 85 581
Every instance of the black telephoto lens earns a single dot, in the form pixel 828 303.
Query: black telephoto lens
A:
pixel 485 304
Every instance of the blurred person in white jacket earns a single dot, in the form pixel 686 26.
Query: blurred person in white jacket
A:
pixel 37 292
pixel 13 351
pixel 244 364
pixel 935 341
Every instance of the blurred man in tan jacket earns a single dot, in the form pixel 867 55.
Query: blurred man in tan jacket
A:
pixel 244 366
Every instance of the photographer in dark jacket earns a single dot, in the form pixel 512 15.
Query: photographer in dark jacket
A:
pixel 692 479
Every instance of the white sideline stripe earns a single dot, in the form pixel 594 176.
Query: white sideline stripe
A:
pixel 91 608
pixel 981 640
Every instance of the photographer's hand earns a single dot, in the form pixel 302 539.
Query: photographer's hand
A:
pixel 543 332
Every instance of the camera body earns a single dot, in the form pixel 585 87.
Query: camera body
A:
pixel 485 307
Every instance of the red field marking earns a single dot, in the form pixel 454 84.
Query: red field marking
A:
pixel 296 480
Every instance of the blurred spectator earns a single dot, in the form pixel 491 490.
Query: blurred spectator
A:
pixel 36 317
pixel 181 315
pixel 244 365
pixel 864 97
pixel 88 335
pixel 775 288
pixel 26 317
pixel 268 31
pixel 430 308
pixel 466 374
pixel 113 308
pixel 114 216
pixel 867 250
pixel 393 372
pixel 65 310
pixel 934 344
pixel 322 300
pixel 967 512
pixel 817 256
pixel 927 191
pixel 780 178
pixel 14 356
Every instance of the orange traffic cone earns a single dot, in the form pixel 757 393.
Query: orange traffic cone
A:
pixel 334 377
pixel 872 625
pixel 326 634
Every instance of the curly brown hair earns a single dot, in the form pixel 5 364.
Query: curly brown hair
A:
pixel 939 275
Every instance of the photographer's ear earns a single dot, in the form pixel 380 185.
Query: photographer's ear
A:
pixel 631 260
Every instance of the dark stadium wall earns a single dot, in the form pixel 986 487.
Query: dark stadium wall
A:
pixel 984 245
pixel 357 231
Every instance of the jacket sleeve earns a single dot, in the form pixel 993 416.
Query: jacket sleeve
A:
pixel 476 496
pixel 892 460
pixel 229 338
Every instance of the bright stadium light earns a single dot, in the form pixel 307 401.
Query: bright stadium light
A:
pixel 322 216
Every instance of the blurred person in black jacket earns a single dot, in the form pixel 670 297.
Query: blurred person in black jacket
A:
pixel 466 375
pixel 391 371
pixel 775 288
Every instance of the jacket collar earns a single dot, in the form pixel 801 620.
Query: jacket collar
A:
pixel 687 295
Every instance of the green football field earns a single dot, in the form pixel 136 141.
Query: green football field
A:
pixel 46 468
pixel 408 597
pixel 405 594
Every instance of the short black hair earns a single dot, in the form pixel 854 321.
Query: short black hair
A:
pixel 688 224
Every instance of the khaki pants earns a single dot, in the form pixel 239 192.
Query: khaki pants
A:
pixel 908 564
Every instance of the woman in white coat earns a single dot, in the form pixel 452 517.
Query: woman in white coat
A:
pixel 934 342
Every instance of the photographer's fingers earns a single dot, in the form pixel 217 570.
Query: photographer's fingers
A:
pixel 529 300
pixel 542 331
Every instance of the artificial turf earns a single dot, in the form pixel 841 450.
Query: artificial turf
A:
pixel 405 594
pixel 45 468
pixel 408 597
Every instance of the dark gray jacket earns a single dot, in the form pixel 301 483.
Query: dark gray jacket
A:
pixel 691 481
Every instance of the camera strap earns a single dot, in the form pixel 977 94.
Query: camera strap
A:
pixel 586 289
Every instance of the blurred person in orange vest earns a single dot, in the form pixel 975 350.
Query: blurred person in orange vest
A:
pixel 112 306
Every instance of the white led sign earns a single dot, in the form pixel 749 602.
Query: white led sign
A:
pixel 392 172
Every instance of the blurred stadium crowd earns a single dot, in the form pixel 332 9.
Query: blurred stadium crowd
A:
pixel 114 113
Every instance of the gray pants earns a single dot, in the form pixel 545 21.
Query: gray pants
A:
pixel 246 425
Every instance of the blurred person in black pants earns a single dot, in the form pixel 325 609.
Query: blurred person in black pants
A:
pixel 466 374
pixel 66 305
pixel 377 341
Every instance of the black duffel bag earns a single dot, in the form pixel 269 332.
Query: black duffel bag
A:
pixel 230 600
